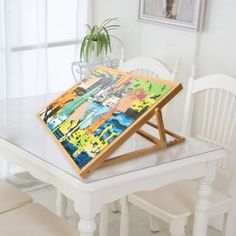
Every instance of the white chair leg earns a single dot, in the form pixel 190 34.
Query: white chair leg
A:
pixel 177 227
pixel 115 207
pixel 61 204
pixel 124 221
pixel 226 224
pixel 104 220
pixel 154 223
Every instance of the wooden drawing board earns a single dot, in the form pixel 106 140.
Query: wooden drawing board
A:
pixel 93 118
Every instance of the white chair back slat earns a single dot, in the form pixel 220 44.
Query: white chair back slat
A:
pixel 231 131
pixel 219 109
pixel 223 118
pixel 228 124
pixel 210 118
pixel 225 160
pixel 204 126
pixel 217 115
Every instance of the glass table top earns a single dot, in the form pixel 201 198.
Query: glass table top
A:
pixel 20 126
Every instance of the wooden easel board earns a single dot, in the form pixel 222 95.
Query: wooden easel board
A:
pixel 93 118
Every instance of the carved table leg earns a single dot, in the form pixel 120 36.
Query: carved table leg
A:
pixel 201 209
pixel 87 226
pixel 124 221
pixel 61 204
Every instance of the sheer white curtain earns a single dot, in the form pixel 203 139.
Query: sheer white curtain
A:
pixel 38 41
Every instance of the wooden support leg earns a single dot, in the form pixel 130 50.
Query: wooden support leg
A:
pixel 124 221
pixel 61 204
pixel 104 220
pixel 161 128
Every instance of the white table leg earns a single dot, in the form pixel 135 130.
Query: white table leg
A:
pixel 87 226
pixel 124 221
pixel 201 209
pixel 115 207
pixel 104 219
pixel 61 204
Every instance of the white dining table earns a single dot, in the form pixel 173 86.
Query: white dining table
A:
pixel 26 143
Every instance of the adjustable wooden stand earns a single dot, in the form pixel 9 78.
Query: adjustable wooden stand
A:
pixel 94 152
pixel 159 143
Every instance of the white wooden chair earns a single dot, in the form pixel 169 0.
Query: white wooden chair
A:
pixel 146 66
pixel 174 203
pixel 34 219
pixel 11 198
pixel 149 66
pixel 19 216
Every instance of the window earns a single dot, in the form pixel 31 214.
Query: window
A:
pixel 31 27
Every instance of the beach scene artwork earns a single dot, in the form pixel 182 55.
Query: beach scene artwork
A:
pixel 90 116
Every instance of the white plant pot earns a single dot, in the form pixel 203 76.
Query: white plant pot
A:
pixel 94 59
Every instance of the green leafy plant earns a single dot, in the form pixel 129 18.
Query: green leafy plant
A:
pixel 98 39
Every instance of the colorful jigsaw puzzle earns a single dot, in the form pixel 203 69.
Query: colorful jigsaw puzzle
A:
pixel 91 115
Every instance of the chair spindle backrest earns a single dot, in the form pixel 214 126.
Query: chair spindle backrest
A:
pixel 218 111
pixel 149 66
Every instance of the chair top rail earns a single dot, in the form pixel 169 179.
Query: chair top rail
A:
pixel 148 64
pixel 215 81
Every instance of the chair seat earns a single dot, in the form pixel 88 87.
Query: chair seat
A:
pixel 176 199
pixel 34 219
pixel 11 197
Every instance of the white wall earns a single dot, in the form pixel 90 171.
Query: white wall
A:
pixel 213 50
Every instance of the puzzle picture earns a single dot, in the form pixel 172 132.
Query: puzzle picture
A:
pixel 90 116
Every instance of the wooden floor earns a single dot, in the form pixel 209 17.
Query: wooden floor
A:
pixel 139 219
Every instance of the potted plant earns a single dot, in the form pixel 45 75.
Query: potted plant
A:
pixel 97 43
